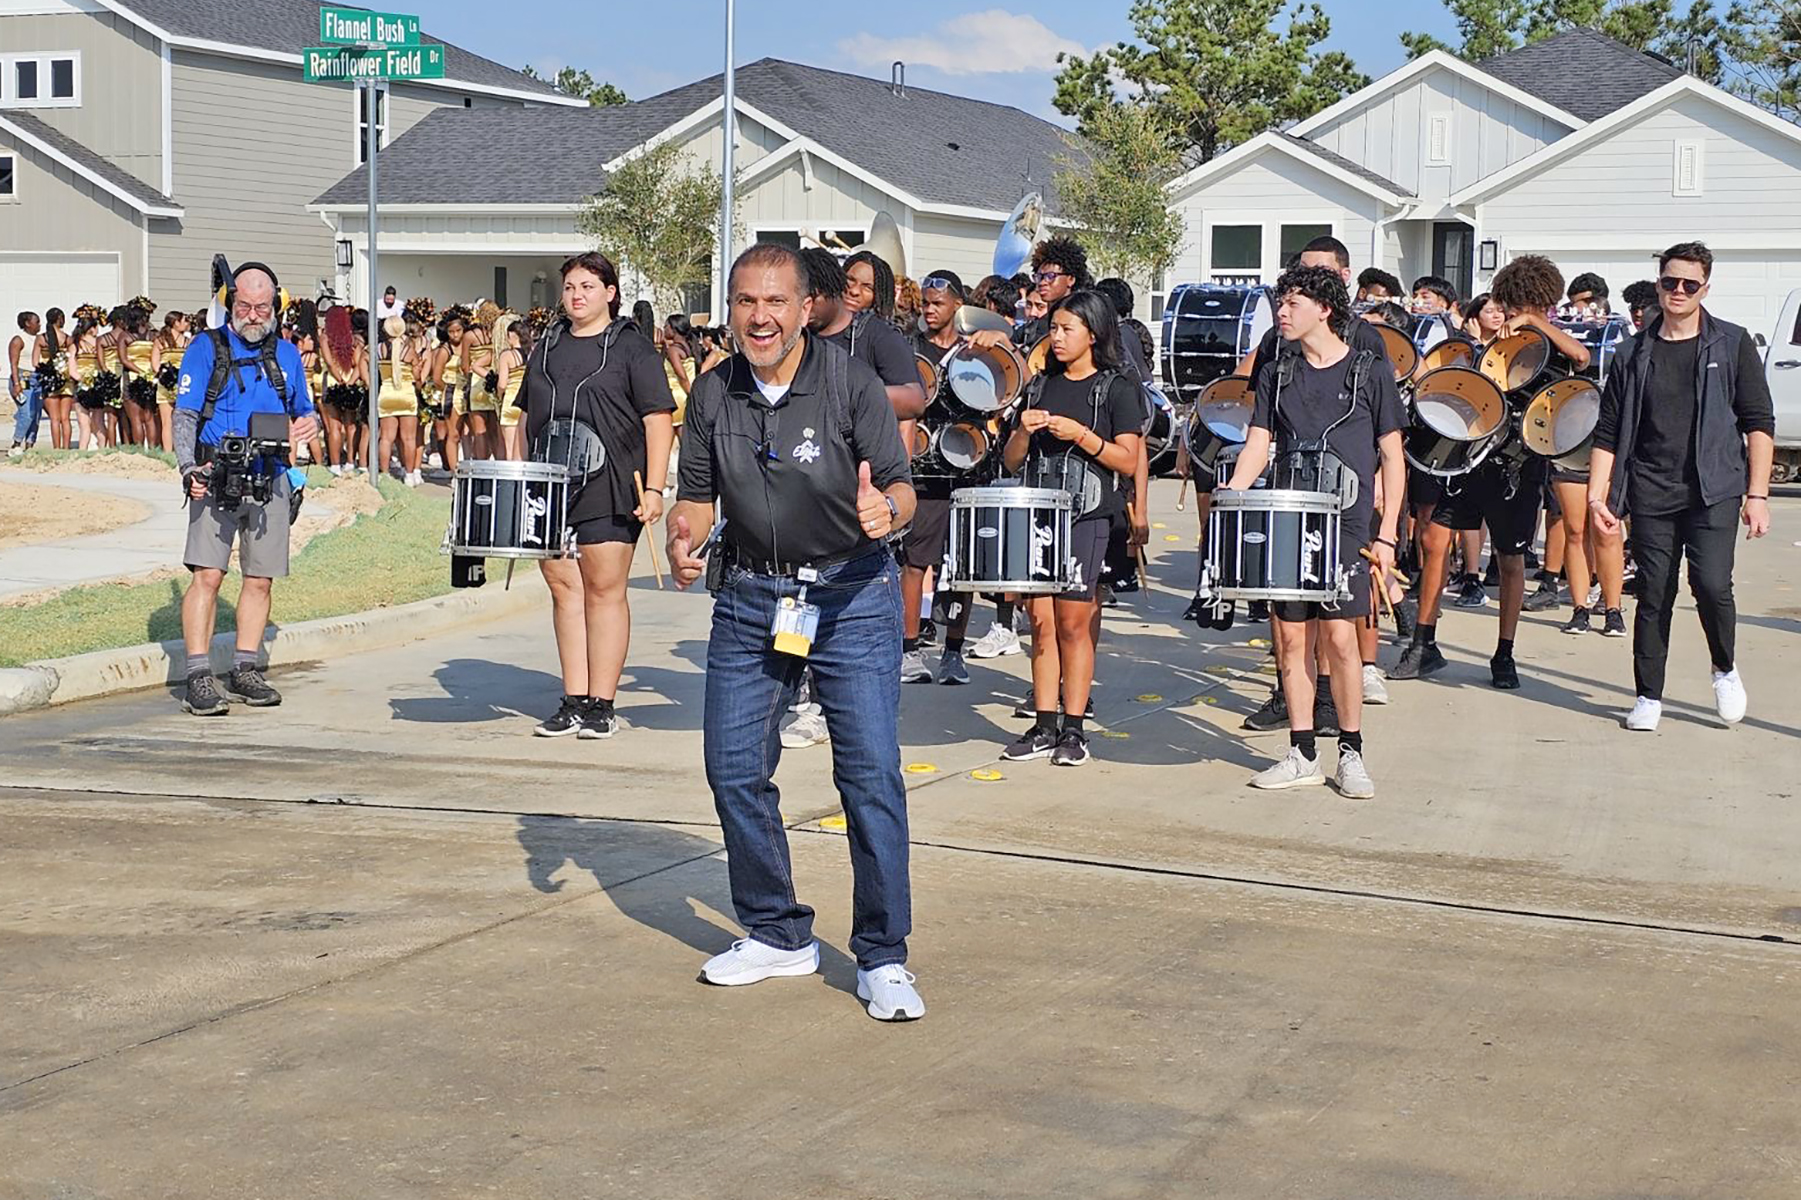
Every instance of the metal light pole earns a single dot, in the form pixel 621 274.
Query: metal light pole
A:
pixel 373 434
pixel 729 126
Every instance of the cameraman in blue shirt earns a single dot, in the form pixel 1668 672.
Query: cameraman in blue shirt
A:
pixel 241 403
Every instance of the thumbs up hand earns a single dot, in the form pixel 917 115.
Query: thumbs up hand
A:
pixel 873 512
pixel 682 563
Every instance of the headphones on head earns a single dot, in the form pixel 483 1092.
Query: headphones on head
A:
pixel 228 292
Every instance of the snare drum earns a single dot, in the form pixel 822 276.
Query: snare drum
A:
pixel 1457 350
pixel 501 509
pixel 1559 423
pixel 1521 363
pixel 984 380
pixel 1402 354
pixel 953 449
pixel 1221 418
pixel 1273 544
pixel 1459 419
pixel 1010 539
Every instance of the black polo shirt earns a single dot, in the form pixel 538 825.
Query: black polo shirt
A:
pixel 784 472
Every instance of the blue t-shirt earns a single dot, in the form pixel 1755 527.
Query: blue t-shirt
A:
pixel 246 390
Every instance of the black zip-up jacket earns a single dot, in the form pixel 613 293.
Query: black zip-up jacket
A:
pixel 1732 402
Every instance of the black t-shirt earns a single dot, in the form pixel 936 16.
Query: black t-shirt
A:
pixel 1664 478
pixel 1313 401
pixel 610 385
pixel 782 471
pixel 881 346
pixel 1121 411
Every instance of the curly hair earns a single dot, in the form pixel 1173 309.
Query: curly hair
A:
pixel 1377 277
pixel 1642 294
pixel 1065 253
pixel 1530 282
pixel 1323 286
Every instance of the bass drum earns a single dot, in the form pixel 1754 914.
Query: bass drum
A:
pixel 1208 329
pixel 1459 419
pixel 1559 423
pixel 1221 419
pixel 984 381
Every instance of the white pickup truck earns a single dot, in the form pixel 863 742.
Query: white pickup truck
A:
pixel 1782 367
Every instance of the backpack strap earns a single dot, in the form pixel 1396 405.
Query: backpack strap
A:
pixel 837 390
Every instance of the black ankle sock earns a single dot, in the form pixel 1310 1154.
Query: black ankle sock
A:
pixel 1003 613
pixel 1350 739
pixel 953 644
pixel 1072 723
pixel 1305 743
pixel 1369 662
pixel 1047 721
pixel 1426 635
pixel 1322 690
pixel 1504 648
pixel 910 644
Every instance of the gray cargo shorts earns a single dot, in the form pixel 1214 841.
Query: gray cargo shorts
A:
pixel 259 530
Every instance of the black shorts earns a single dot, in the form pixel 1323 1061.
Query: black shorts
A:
pixel 1087 552
pixel 927 534
pixel 598 531
pixel 1509 506
pixel 1424 489
pixel 1355 609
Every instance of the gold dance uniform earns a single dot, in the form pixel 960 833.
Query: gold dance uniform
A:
pixel 453 384
pixel 137 357
pixel 172 356
pixel 397 397
pixel 481 361
pixel 510 416
pixel 676 390
pixel 87 366
pixel 109 361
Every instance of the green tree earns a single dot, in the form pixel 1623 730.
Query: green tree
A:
pixel 1489 27
pixel 1764 43
pixel 1115 196
pixel 658 216
pixel 1213 73
pixel 572 82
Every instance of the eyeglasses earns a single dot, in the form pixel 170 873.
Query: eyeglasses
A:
pixel 245 309
pixel 1670 283
pixel 1047 276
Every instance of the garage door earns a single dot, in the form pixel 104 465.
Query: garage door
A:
pixel 32 281
pixel 1748 286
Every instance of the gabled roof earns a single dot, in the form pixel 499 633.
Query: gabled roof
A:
pixel 1302 150
pixel 281 29
pixel 1425 63
pixel 98 171
pixel 903 143
pixel 1582 71
pixel 1558 151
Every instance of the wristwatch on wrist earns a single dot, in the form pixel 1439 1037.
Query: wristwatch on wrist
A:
pixel 893 508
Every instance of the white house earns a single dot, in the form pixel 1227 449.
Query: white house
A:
pixel 816 150
pixel 1576 147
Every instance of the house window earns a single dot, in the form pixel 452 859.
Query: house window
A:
pixel 1237 248
pixel 1296 237
pixel 1159 295
pixel 362 123
pixel 1688 168
pixel 9 177
pixel 40 80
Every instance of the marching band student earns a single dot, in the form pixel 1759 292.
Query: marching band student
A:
pixel 478 365
pixel 1081 426
pixel 1505 498
pixel 1320 390
pixel 1641 302
pixel 1435 294
pixel 398 399
pixel 1376 284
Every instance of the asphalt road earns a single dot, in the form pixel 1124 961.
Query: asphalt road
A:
pixel 381 943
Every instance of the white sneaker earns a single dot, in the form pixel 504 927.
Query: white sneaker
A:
pixel 1646 712
pixel 807 729
pixel 890 994
pixel 1293 771
pixel 1374 690
pixel 1594 595
pixel 998 642
pixel 337 472
pixel 1352 779
pixel 750 961
pixel 1729 696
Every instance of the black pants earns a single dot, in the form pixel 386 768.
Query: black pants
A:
pixel 1709 536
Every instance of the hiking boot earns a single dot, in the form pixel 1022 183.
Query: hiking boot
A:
pixel 203 698
pixel 247 684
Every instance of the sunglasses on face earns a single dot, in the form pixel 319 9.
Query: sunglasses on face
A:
pixel 1670 283
pixel 937 283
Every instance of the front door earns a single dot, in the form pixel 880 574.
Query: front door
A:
pixel 1453 252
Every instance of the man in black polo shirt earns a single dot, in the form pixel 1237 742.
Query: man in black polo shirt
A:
pixel 1685 441
pixel 797 444
pixel 922 546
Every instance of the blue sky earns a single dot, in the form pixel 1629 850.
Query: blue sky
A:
pixel 1001 51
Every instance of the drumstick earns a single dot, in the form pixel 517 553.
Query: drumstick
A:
pixel 1182 496
pixel 1132 519
pixel 1392 573
pixel 638 482
pixel 1381 585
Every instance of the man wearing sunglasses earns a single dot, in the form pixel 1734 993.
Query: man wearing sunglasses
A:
pixel 1684 445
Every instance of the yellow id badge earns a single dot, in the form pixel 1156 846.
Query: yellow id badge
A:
pixel 796 624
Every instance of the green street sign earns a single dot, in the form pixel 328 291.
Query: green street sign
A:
pixel 359 26
pixel 351 64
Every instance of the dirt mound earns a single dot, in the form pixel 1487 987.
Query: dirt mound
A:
pixel 33 513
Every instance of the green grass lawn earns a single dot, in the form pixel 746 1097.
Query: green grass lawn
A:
pixel 385 559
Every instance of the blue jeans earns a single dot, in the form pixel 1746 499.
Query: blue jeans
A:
pixel 856 681
pixel 31 411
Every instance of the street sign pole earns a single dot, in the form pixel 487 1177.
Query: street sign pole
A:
pixel 372 94
pixel 729 114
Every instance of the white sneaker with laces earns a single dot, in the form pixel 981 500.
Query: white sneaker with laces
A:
pixel 1645 714
pixel 807 729
pixel 1594 595
pixel 998 642
pixel 1729 696
pixel 890 994
pixel 1295 770
pixel 1352 779
pixel 751 961
pixel 1374 690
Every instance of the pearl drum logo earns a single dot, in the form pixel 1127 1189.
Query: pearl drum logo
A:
pixel 1312 543
pixel 536 508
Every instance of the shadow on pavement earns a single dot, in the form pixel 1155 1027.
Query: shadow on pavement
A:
pixel 479 689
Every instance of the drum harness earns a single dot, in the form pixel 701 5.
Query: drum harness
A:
pixel 580 442
pixel 1054 471
pixel 1317 448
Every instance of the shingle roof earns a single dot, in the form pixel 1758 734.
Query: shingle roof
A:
pixel 1582 71
pixel 289 26
pixel 1345 164
pixel 556 156
pixel 66 147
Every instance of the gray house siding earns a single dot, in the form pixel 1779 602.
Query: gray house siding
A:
pixel 58 210
pixel 253 146
pixel 121 113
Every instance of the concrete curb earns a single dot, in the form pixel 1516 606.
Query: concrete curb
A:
pixel 159 664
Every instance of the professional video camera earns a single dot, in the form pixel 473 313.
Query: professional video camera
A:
pixel 246 466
